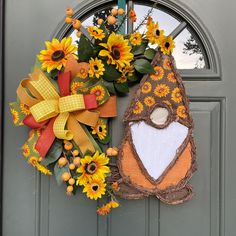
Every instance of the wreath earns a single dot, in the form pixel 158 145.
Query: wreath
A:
pixel 70 95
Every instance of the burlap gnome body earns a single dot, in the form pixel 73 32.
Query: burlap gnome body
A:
pixel 157 155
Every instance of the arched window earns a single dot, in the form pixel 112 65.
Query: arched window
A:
pixel 195 54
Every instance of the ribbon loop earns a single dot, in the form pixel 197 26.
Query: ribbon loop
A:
pixel 71 103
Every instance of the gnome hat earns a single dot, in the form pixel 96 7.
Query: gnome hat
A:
pixel 157 154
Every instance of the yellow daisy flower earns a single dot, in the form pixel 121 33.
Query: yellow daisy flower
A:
pixel 146 88
pixel 26 150
pixel 154 34
pixel 75 86
pixel 100 129
pixel 24 108
pixel 162 90
pixel 56 53
pixel 15 116
pixel 138 108
pixel 176 95
pixel 96 32
pixel 117 50
pixel 136 38
pixel 93 167
pixel 167 45
pixel 122 80
pixel 83 70
pixel 159 73
pixel 96 68
pixel 113 204
pixel 181 112
pixel 171 77
pixel 166 64
pixel 95 189
pixel 99 91
pixel 149 101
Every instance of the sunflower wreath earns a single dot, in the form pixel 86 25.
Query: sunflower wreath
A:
pixel 71 93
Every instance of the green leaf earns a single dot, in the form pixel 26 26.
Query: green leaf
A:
pixel 58 172
pixel 143 66
pixel 150 53
pixel 140 49
pixel 122 88
pixel 53 154
pixel 110 87
pixel 106 140
pixel 110 73
pixel 85 49
pixel 133 77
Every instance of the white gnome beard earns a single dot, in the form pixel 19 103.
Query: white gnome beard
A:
pixel 157 148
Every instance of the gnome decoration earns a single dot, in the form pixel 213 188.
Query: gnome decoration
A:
pixel 157 155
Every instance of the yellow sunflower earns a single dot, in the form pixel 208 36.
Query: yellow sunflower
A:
pixel 96 68
pixel 33 161
pixel 167 45
pixel 75 86
pixel 149 101
pixel 181 112
pixel 99 91
pixel 162 90
pixel 95 189
pixel 128 70
pixel 26 150
pixel 154 34
pixel 159 73
pixel 56 54
pixel 166 64
pixel 122 80
pixel 83 70
pixel 96 32
pixel 113 204
pixel 146 88
pixel 104 210
pixel 43 169
pixel 117 50
pixel 176 95
pixel 24 108
pixel 171 77
pixel 93 167
pixel 136 38
pixel 138 108
pixel 15 116
pixel 100 129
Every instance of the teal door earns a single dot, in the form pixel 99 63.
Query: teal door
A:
pixel 34 205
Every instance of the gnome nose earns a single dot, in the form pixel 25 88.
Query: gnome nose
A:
pixel 159 116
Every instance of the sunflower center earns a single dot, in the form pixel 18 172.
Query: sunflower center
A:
pixel 91 168
pixel 58 55
pixel 157 32
pixel 100 129
pixel 95 67
pixel 95 187
pixel 115 53
pixel 167 44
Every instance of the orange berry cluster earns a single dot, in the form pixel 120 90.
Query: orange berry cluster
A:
pixel 112 152
pixel 112 19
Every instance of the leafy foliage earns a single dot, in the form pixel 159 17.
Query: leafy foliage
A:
pixel 143 66
pixel 85 49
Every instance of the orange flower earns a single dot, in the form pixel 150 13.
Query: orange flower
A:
pixel 138 108
pixel 15 116
pixel 149 101
pixel 176 95
pixel 171 77
pixel 132 16
pixel 181 112
pixel 162 90
pixel 24 108
pixel 83 69
pixel 104 210
pixel 159 73
pixel 146 88
pixel 75 86
pixel 166 64
pixel 99 91
pixel 26 150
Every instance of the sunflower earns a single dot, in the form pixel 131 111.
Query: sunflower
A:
pixel 159 73
pixel 95 189
pixel 96 32
pixel 56 54
pixel 138 108
pixel 167 45
pixel 162 90
pixel 104 210
pixel 99 91
pixel 43 169
pixel 75 86
pixel 24 108
pixel 176 95
pixel 171 77
pixel 100 130
pixel 136 38
pixel 117 50
pixel 96 67
pixel 166 64
pixel 122 80
pixel 149 101
pixel 154 34
pixel 33 161
pixel 113 204
pixel 93 168
pixel 26 150
pixel 15 116
pixel 146 88
pixel 128 70
pixel 181 112
pixel 83 70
